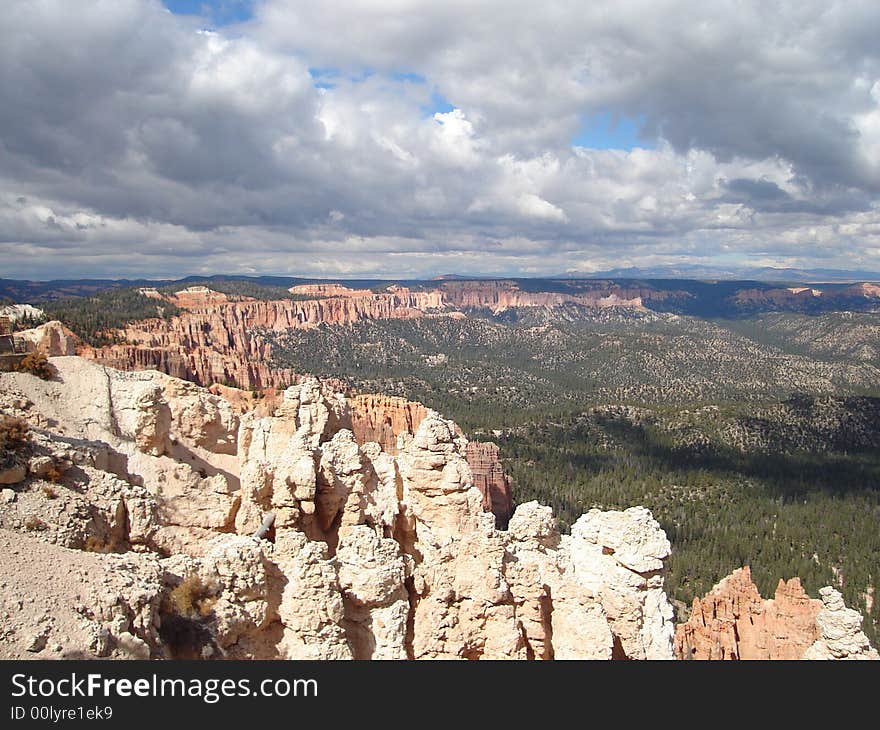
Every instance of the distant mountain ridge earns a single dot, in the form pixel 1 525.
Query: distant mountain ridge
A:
pixel 18 290
pixel 763 273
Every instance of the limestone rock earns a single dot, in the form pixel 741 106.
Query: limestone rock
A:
pixel 96 606
pixel 438 488
pixel 13 474
pixel 371 554
pixel 311 608
pixel 841 635
pixel 385 419
pixel 619 557
pixel 51 338
pixel 372 575
pixel 381 419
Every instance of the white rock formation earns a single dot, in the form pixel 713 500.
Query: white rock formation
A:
pixel 19 311
pixel 842 636
pixel 369 555
pixel 51 338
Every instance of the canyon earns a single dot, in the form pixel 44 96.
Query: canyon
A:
pixel 221 339
pixel 196 471
pixel 374 417
pixel 191 529
pixel 230 338
pixel 217 338
pixel 499 296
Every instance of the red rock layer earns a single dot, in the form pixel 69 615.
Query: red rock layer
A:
pixel 489 477
pixel 501 295
pixel 202 365
pixel 795 297
pixel 785 298
pixel 733 622
pixel 218 341
pixel 382 418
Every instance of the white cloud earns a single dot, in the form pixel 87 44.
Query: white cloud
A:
pixel 199 151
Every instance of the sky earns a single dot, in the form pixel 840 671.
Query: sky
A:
pixel 395 138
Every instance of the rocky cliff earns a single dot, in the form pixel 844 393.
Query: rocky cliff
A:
pixel 219 341
pixel 733 622
pixel 490 478
pixel 52 338
pixel 499 296
pixel 360 553
pixel 384 419
pixel 806 298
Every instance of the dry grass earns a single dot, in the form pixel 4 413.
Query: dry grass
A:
pixel 186 625
pixel 13 435
pixel 53 475
pixel 35 524
pixel 36 363
pixel 192 598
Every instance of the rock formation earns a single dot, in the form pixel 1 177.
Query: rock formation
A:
pixel 384 419
pixel 52 338
pixel 218 340
pixel 840 631
pixel 733 622
pixel 16 312
pixel 490 479
pixel 369 554
pixel 501 295
pixel 148 491
pixel 803 298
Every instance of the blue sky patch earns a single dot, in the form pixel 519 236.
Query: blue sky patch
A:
pixel 327 77
pixel 217 12
pixel 439 105
pixel 324 78
pixel 606 131
pixel 408 76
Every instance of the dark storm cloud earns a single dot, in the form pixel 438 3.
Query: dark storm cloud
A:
pixel 767 196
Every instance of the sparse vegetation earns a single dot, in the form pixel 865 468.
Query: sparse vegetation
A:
pixel 13 436
pixel 53 474
pixel 753 439
pixel 811 513
pixel 36 363
pixel 192 597
pixel 27 321
pixel 33 523
pixel 186 619
pixel 749 447
pixel 94 318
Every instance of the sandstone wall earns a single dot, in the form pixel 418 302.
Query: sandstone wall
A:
pixel 384 419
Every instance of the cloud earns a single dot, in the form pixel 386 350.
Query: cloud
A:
pixel 134 142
